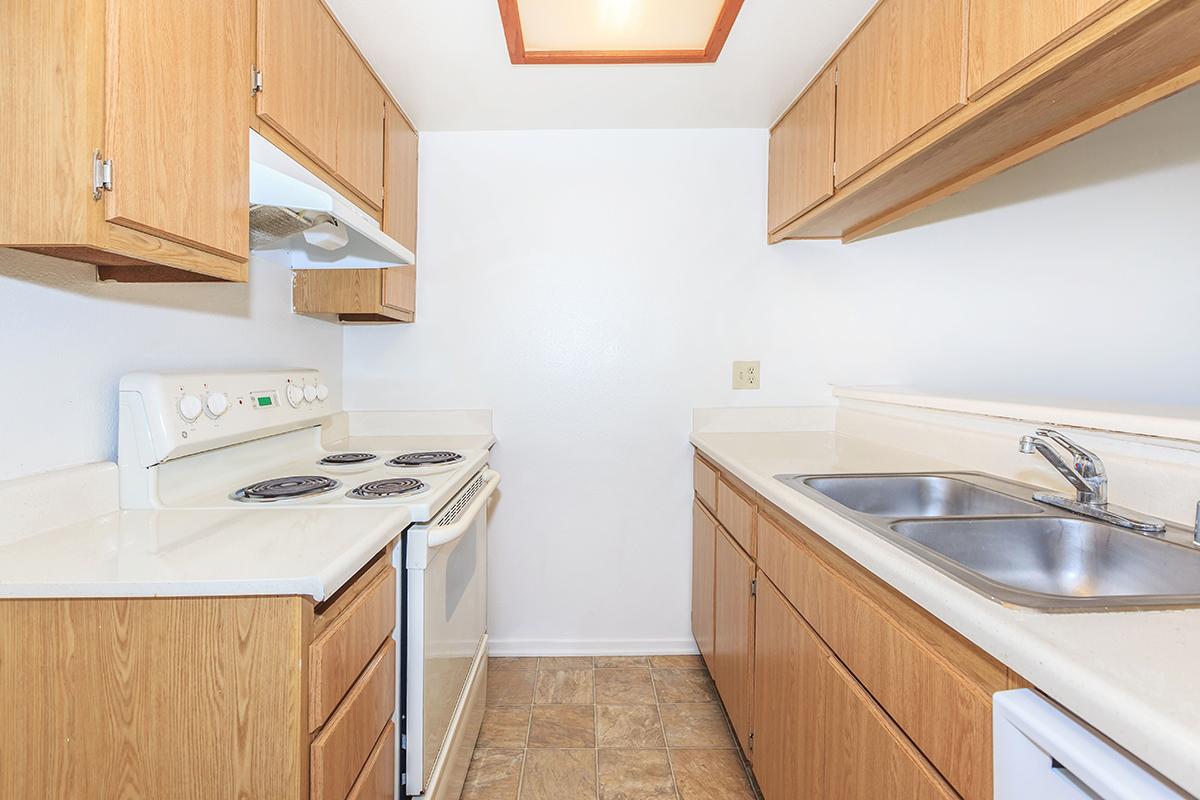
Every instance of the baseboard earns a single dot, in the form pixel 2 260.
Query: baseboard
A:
pixel 591 647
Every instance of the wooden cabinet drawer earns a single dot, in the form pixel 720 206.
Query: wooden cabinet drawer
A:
pixel 737 514
pixel 346 743
pixel 936 685
pixel 704 478
pixel 340 652
pixel 378 778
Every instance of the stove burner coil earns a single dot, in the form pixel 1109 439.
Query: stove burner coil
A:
pixel 290 488
pixel 425 459
pixel 344 459
pixel 389 487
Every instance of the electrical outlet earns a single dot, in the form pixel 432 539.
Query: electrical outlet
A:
pixel 745 374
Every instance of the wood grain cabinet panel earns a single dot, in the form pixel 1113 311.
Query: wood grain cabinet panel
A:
pixel 400 179
pixel 704 543
pixel 339 655
pixel 898 75
pixel 934 684
pixel 737 514
pixel 704 479
pixel 360 124
pixel 378 778
pixel 177 121
pixel 800 165
pixel 357 295
pixel 298 52
pixel 818 733
pixel 345 744
pixel 733 634
pixel 1005 35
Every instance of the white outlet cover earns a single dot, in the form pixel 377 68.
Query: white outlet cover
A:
pixel 746 375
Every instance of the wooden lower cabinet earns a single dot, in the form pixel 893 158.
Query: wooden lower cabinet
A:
pixel 733 633
pixel 837 685
pixel 704 543
pixel 817 731
pixel 194 697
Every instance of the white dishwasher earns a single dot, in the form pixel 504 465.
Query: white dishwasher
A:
pixel 1042 753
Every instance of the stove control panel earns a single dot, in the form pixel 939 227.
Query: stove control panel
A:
pixel 168 415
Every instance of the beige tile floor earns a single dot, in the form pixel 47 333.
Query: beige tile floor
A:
pixel 605 728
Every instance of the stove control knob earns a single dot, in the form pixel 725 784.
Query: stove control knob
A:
pixel 310 393
pixel 216 404
pixel 295 395
pixel 190 407
pixel 322 392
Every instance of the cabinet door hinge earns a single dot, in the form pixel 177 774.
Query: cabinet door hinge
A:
pixel 754 588
pixel 750 740
pixel 102 175
pixel 255 81
pixel 835 169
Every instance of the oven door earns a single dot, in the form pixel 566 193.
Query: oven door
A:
pixel 446 594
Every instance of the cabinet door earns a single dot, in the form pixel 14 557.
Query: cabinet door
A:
pixel 733 633
pixel 298 46
pixel 400 180
pixel 1005 35
pixel 800 169
pixel 817 732
pixel 901 73
pixel 177 121
pixel 787 701
pixel 704 542
pixel 400 288
pixel 359 125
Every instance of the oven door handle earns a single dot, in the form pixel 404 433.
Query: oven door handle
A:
pixel 440 535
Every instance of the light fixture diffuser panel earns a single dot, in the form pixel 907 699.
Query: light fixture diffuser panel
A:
pixel 616 31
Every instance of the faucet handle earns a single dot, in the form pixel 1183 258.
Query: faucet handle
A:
pixel 1087 462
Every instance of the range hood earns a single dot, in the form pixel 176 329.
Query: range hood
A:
pixel 298 221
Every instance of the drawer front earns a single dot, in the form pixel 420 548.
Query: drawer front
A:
pixel 737 514
pixel 936 685
pixel 339 654
pixel 704 478
pixel 378 778
pixel 343 747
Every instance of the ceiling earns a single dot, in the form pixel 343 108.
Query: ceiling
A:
pixel 447 63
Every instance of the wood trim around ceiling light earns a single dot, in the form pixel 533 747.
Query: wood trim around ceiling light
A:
pixel 510 17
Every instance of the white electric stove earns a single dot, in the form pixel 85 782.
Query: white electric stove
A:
pixel 253 441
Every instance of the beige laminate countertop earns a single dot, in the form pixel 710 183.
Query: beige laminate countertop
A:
pixel 1131 675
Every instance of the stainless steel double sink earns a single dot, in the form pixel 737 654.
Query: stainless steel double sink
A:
pixel 990 535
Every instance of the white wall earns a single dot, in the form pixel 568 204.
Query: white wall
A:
pixel 593 287
pixel 67 340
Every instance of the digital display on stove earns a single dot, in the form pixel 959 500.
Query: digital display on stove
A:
pixel 264 399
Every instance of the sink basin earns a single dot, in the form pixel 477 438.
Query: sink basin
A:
pixel 988 534
pixel 917 496
pixel 1067 561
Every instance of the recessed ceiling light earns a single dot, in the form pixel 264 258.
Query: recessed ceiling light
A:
pixel 617 31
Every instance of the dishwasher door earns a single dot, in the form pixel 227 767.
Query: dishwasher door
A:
pixel 1042 753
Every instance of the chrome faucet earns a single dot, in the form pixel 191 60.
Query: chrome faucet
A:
pixel 1085 471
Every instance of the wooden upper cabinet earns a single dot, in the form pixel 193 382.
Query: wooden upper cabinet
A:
pixel 359 125
pixel 704 542
pixel 400 290
pixel 298 47
pixel 400 179
pixel 1005 35
pixel 899 74
pixel 733 633
pixel 800 171
pixel 177 121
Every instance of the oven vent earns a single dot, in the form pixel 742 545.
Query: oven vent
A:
pixel 462 501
